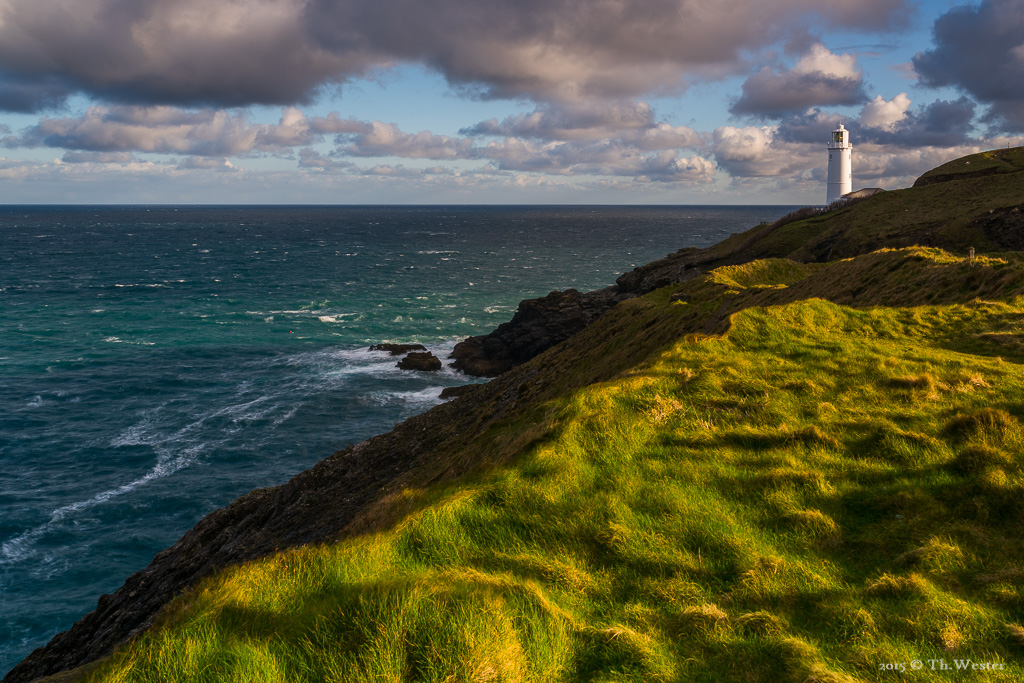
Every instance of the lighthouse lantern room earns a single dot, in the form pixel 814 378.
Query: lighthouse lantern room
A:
pixel 840 165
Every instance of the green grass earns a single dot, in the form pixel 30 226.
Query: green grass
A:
pixel 994 161
pixel 974 201
pixel 818 492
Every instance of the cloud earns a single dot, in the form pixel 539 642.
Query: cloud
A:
pixel 811 126
pixel 98 158
pixel 601 158
pixel 759 152
pixel 386 139
pixel 6 139
pixel 171 130
pixel 238 52
pixel 28 93
pixel 630 122
pixel 207 164
pixel 979 50
pixel 885 114
pixel 15 169
pixel 904 143
pixel 333 123
pixel 569 50
pixel 230 52
pixel 942 123
pixel 400 171
pixel 891 123
pixel 819 78
pixel 571 121
pixel 627 141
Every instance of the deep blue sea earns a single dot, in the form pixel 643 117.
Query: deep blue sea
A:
pixel 156 363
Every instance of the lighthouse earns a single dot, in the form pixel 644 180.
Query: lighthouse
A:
pixel 840 165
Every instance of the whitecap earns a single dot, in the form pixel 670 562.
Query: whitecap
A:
pixel 118 340
pixel 337 318
pixel 278 421
pixel 424 397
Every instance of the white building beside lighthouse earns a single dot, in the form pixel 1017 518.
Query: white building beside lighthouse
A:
pixel 840 165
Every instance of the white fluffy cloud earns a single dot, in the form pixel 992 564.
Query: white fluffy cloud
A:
pixel 756 151
pixel 630 142
pixel 885 114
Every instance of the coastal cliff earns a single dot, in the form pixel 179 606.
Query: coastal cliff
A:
pixel 780 369
pixel 981 209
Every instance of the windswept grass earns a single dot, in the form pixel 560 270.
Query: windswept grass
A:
pixel 818 493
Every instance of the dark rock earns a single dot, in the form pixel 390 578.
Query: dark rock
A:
pixel 461 390
pixel 541 323
pixel 398 349
pixel 677 267
pixel 1003 226
pixel 420 361
pixel 537 325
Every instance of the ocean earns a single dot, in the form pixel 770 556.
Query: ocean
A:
pixel 158 362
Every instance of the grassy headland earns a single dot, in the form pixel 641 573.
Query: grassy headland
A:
pixel 781 470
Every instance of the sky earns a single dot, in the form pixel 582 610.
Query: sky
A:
pixel 494 101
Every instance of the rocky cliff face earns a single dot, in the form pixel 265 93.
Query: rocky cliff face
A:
pixel 539 324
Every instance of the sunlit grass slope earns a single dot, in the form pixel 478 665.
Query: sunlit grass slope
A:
pixel 815 494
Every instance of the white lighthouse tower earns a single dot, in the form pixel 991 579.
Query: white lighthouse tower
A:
pixel 840 165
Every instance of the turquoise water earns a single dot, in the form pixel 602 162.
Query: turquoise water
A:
pixel 156 363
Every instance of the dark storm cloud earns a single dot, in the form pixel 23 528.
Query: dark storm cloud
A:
pixel 820 78
pixel 810 126
pixel 26 94
pixel 229 52
pixel 939 124
pixel 239 52
pixel 980 50
pixel 942 123
pixel 578 49
pixel 768 95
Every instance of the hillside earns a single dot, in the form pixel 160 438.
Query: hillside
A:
pixel 755 465
pixel 953 207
